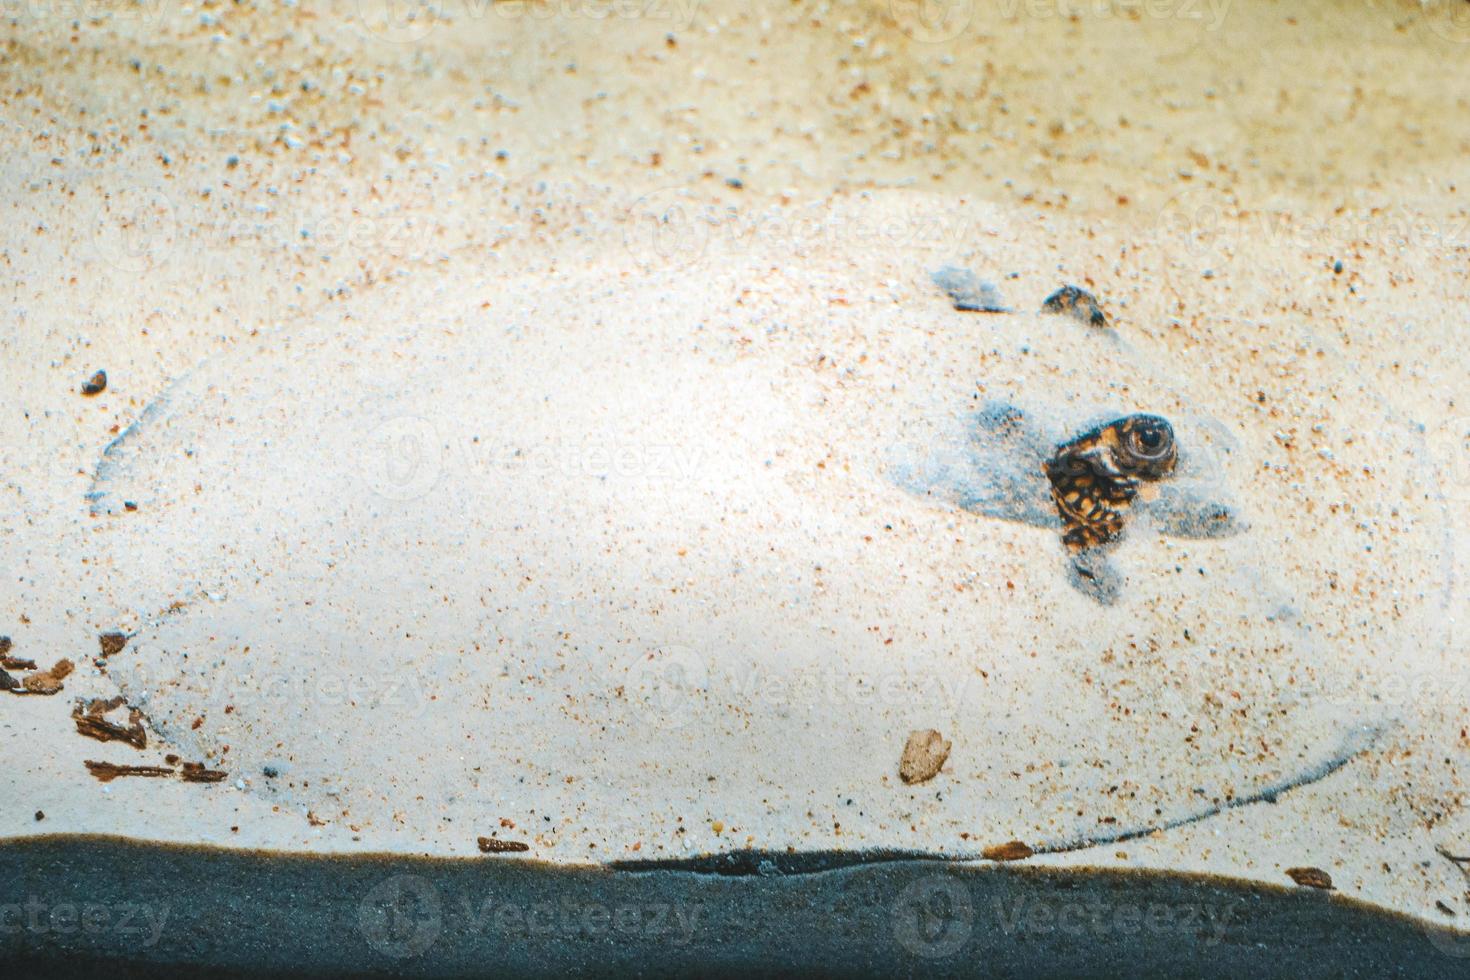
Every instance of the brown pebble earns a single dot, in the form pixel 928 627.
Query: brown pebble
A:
pixel 112 643
pixel 40 816
pixel 494 845
pixel 923 756
pixel 95 385
pixel 1310 877
pixel 48 681
pixel 1010 851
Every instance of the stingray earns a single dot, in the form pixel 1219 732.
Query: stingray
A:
pixel 617 568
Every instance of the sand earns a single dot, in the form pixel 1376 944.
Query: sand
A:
pixel 290 254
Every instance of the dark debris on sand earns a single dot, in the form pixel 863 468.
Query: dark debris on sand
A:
pixel 968 292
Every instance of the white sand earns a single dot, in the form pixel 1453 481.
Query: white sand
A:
pixel 477 640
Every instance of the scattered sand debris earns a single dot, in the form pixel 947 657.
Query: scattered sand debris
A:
pixel 48 681
pixel 106 772
pixel 95 385
pixel 1310 877
pixel 91 722
pixel 1010 851
pixel 923 756
pixel 1077 303
pixel 194 772
pixel 111 643
pixel 494 845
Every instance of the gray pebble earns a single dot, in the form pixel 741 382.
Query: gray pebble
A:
pixel 967 291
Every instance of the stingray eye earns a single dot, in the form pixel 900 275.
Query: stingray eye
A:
pixel 1151 440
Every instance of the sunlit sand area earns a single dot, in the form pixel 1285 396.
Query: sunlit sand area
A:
pixel 639 434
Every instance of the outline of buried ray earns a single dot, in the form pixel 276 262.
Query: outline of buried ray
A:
pixel 1027 439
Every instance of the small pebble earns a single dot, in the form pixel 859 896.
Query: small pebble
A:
pixel 1076 303
pixel 923 756
pixel 1310 878
pixel 95 385
pixel 968 292
pixel 1010 851
pixel 49 681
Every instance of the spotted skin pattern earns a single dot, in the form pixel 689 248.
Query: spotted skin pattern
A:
pixel 1097 475
pixel 1076 303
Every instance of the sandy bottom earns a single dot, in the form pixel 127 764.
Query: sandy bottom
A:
pixel 660 357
